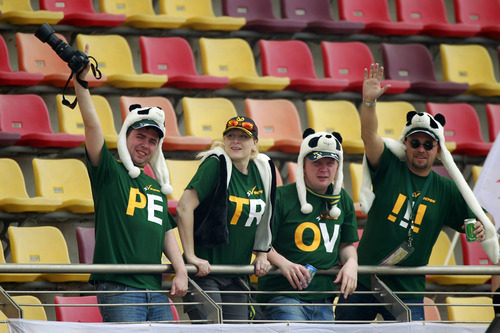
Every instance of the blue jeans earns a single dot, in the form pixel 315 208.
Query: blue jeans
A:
pixel 131 313
pixel 360 312
pixel 302 311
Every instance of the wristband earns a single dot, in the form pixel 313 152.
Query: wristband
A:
pixel 369 104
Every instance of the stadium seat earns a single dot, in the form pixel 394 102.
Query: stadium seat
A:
pixel 233 58
pixel 65 179
pixel 292 171
pixel 10 77
pixel 33 123
pixel 438 257
pixel 473 253
pixel 14 277
pixel 42 245
pixel 375 15
pixel 471 64
pixel 259 16
pixel 207 117
pixel 31 306
pixel 431 312
pixel 318 16
pixel 392 117
pixel 476 171
pixel 199 15
pixel 432 15
pixel 83 314
pixel 278 120
pixel 356 174
pixel 9 138
pixel 347 60
pixel 173 139
pixel 485 13
pixel 493 116
pixel 20 12
pixel 470 309
pixel 81 13
pixel 293 59
pixel 462 127
pixel 182 171
pixel 13 195
pixel 37 57
pixel 115 59
pixel 85 240
pixel 70 120
pixel 339 116
pixel 413 62
pixel 140 14
pixel 173 57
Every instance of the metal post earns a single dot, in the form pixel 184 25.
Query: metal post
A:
pixel 8 306
pixel 385 295
pixel 213 311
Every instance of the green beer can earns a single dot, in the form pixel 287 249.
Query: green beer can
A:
pixel 469 229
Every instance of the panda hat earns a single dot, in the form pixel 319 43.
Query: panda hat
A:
pixel 323 144
pixel 139 117
pixel 433 126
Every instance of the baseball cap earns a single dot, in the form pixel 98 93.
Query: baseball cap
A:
pixel 316 155
pixel 148 123
pixel 245 124
pixel 422 130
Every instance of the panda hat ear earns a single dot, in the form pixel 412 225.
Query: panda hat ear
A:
pixel 308 131
pixel 337 136
pixel 440 119
pixel 132 107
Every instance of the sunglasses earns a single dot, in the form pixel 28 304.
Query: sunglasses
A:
pixel 428 145
pixel 244 124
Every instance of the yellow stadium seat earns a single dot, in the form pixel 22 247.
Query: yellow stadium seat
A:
pixel 115 61
pixel 15 277
pixel 42 245
pixel 470 309
pixel 356 173
pixel 338 116
pixel 140 14
pixel 471 64
pixel 476 171
pixel 438 257
pixel 13 195
pixel 182 171
pixel 199 15
pixel 31 306
pixel 233 58
pixel 70 120
pixel 21 12
pixel 207 117
pixel 64 179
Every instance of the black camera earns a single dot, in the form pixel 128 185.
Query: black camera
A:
pixel 76 59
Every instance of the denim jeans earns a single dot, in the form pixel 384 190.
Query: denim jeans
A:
pixel 303 310
pixel 131 313
pixel 361 312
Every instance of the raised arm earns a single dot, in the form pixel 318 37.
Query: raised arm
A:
pixel 374 146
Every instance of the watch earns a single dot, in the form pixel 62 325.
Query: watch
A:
pixel 370 104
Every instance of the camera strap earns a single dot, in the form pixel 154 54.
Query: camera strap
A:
pixel 95 71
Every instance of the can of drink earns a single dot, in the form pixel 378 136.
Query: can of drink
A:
pixel 469 229
pixel 312 270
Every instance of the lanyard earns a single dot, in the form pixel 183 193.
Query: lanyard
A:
pixel 414 203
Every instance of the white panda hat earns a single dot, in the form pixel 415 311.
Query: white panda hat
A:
pixel 320 143
pixel 141 117
pixel 433 126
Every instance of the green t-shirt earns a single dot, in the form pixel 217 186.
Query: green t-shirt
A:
pixel 308 239
pixel 388 220
pixel 246 203
pixel 131 218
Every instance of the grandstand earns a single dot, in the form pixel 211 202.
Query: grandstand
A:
pixel 204 77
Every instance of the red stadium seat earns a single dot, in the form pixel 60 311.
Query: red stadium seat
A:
pixel 463 127
pixel 174 57
pixel 85 240
pixel 293 59
pixel 259 16
pixel 83 314
pixel 8 76
pixel 375 15
pixel 317 14
pixel 485 13
pixel 81 13
pixel 33 123
pixel 473 253
pixel 8 138
pixel 413 62
pixel 493 115
pixel 432 15
pixel 347 60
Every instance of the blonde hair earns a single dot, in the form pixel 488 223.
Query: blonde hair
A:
pixel 220 144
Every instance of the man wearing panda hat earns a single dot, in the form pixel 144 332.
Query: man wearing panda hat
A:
pixel 314 224
pixel 409 204
pixel 132 222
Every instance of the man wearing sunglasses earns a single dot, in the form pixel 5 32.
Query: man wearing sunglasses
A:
pixel 409 204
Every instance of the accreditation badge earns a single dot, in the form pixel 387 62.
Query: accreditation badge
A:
pixel 401 253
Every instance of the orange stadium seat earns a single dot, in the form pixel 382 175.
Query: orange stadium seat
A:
pixel 318 17
pixel 485 13
pixel 293 59
pixel 174 57
pixel 493 116
pixel 173 139
pixel 375 15
pixel 432 15
pixel 81 13
pixel 20 12
pixel 83 314
pixel 33 122
pixel 347 60
pixel 10 77
pixel 260 17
